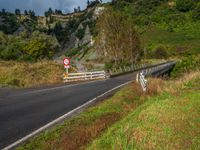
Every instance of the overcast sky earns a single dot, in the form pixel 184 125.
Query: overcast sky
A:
pixel 39 6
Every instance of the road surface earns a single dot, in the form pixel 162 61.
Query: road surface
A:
pixel 24 111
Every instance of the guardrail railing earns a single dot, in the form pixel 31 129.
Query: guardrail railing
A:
pixel 141 79
pixel 148 70
pixel 84 76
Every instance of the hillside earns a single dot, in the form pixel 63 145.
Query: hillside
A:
pixel 74 30
pixel 164 29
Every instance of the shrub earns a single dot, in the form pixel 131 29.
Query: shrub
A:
pixel 37 46
pixel 160 52
pixel 80 33
pixel 187 64
pixel 184 5
pixel 196 12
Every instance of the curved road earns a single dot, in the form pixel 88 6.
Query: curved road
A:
pixel 24 111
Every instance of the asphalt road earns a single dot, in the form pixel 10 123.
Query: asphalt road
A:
pixel 24 111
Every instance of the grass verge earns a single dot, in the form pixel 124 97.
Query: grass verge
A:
pixel 22 74
pixel 170 120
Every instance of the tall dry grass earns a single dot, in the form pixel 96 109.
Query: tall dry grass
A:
pixel 22 74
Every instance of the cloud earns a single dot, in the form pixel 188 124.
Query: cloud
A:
pixel 39 6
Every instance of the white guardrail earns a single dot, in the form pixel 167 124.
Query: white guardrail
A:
pixel 141 78
pixel 83 76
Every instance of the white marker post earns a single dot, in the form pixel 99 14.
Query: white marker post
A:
pixel 141 78
pixel 66 63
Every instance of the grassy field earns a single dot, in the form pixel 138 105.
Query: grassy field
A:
pixel 23 75
pixel 175 43
pixel 166 117
pixel 170 120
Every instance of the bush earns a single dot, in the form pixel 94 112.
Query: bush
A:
pixel 196 12
pixel 10 23
pixel 184 5
pixel 187 64
pixel 80 33
pixel 160 53
pixel 36 46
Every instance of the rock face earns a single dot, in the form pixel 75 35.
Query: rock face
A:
pixel 98 10
pixel 88 38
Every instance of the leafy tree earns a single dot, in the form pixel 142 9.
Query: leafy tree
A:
pixel 32 14
pixel 25 12
pixel 196 12
pixel 11 47
pixel 27 47
pixel 48 13
pixel 184 5
pixel 41 46
pixel 3 11
pixel 10 24
pixel 75 10
pixel 118 38
pixel 79 8
pixel 59 32
pixel 88 3
pixel 59 12
pixel 80 33
pixel 17 12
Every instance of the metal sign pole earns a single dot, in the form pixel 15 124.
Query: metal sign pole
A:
pixel 67 71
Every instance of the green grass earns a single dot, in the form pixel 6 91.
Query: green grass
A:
pixel 170 120
pixel 174 42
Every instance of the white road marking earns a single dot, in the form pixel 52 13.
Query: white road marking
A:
pixel 11 146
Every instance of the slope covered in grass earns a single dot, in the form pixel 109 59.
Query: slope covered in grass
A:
pixel 22 74
pixel 170 120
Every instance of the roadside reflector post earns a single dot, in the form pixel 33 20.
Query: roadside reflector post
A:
pixel 143 82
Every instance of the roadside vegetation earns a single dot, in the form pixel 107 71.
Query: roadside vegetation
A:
pixel 169 120
pixel 24 75
pixel 166 117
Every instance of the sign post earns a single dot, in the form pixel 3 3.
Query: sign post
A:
pixel 66 63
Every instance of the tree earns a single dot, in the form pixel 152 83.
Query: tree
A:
pixel 196 12
pixel 184 5
pixel 3 11
pixel 48 13
pixel 31 14
pixel 118 38
pixel 79 9
pixel 59 12
pixel 41 46
pixel 25 12
pixel 17 12
pixel 75 10
pixel 88 3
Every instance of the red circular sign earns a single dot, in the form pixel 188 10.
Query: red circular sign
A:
pixel 66 62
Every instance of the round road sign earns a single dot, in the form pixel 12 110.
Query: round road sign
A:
pixel 66 62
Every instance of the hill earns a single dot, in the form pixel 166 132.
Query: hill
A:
pixel 74 30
